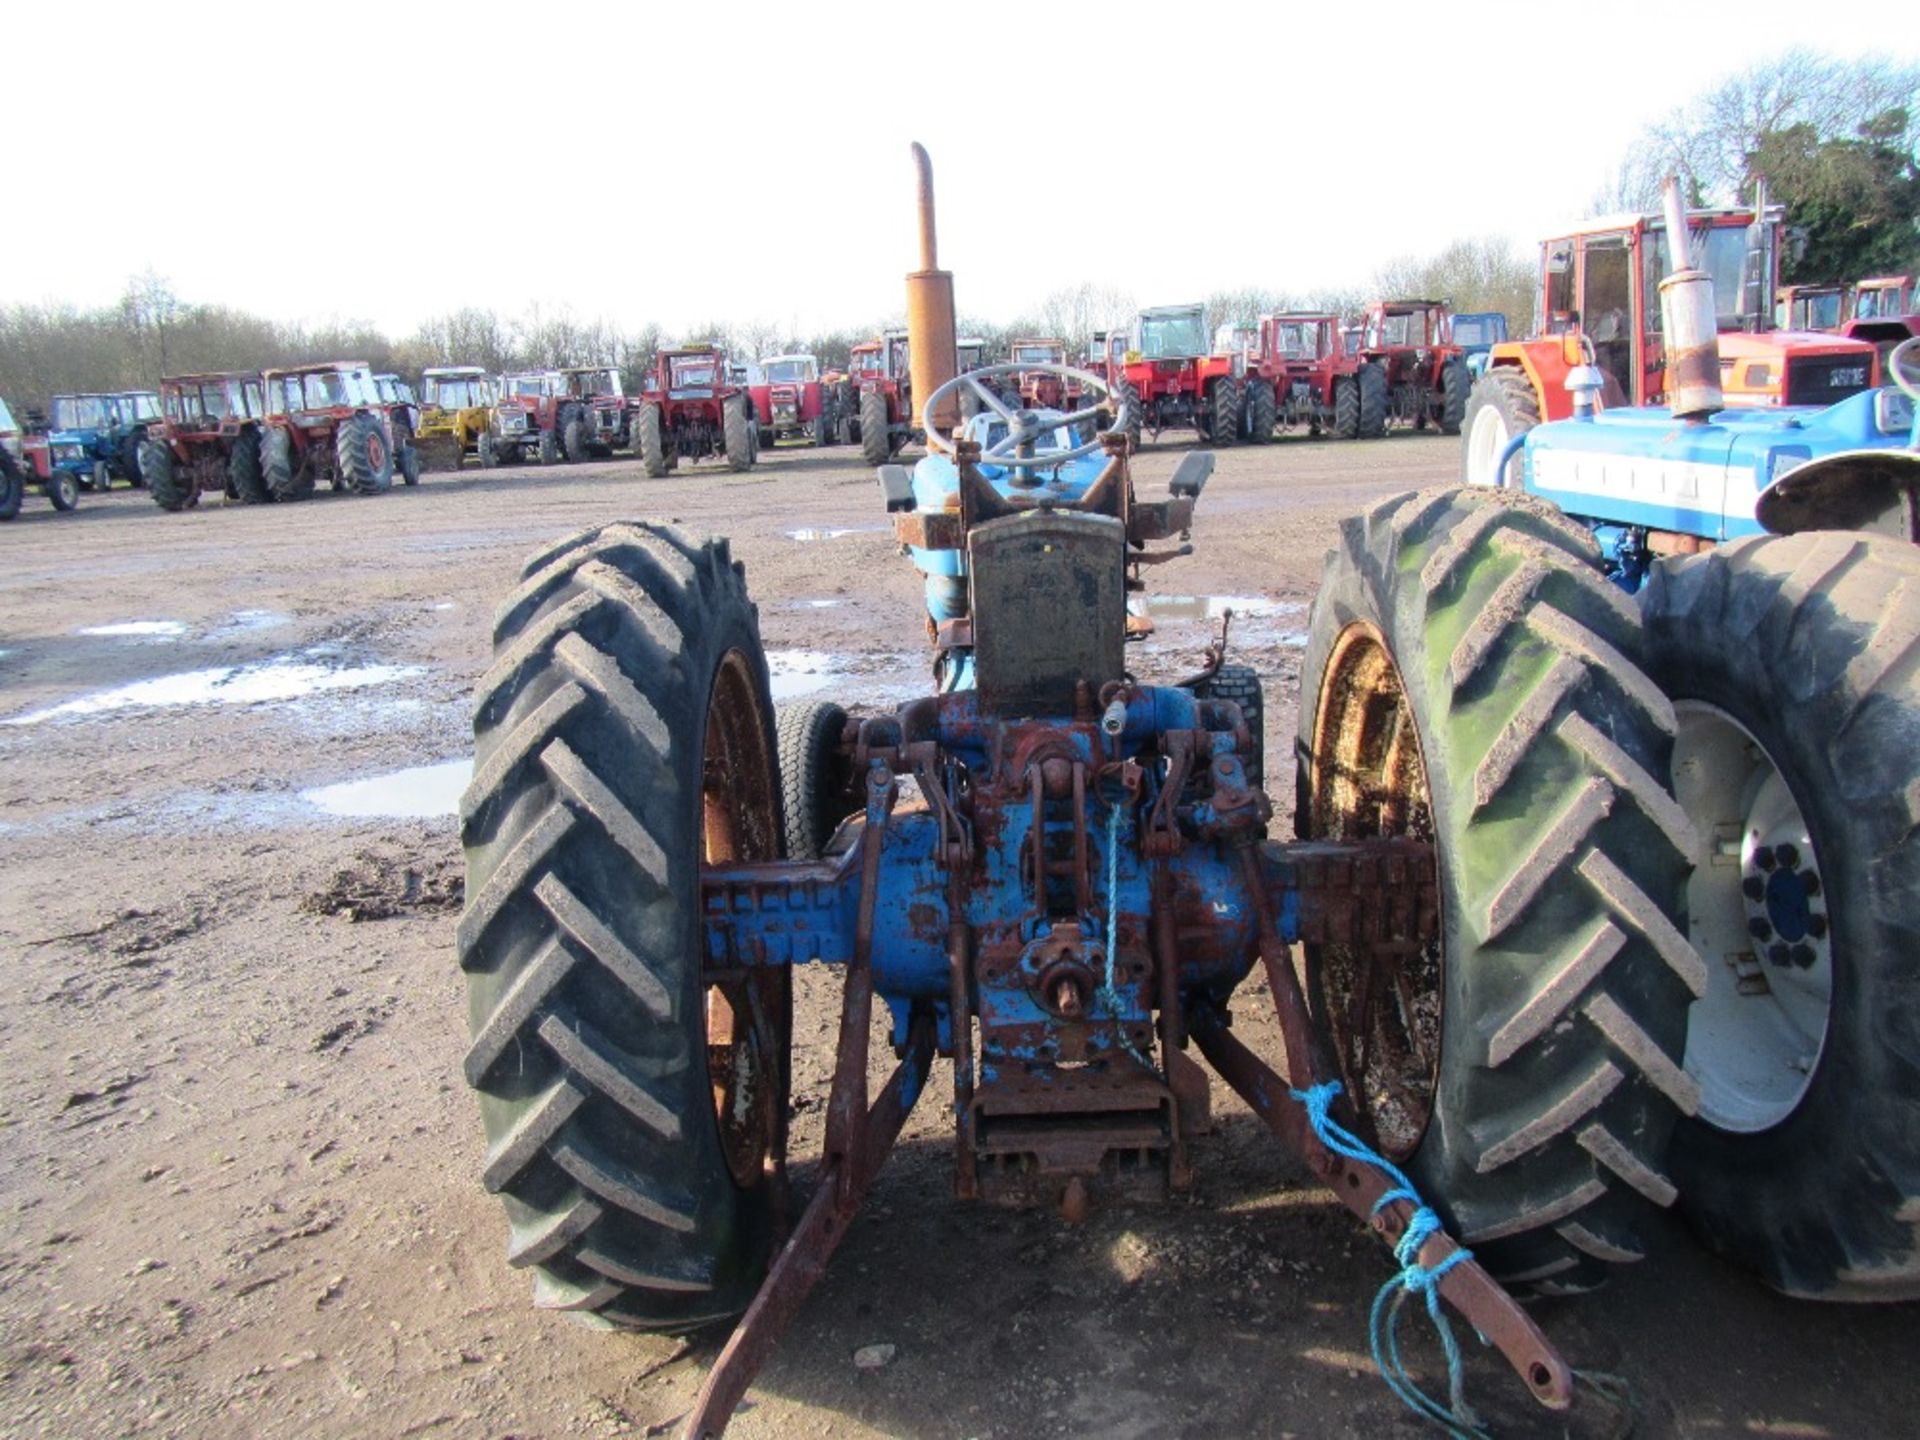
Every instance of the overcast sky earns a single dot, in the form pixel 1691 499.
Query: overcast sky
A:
pixel 688 162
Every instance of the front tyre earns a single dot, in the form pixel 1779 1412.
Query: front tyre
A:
pixel 1263 411
pixel 651 443
pixel 815 789
pixel 623 736
pixel 164 482
pixel 285 477
pixel 1455 383
pixel 737 431
pixel 63 490
pixel 1472 678
pixel 1224 411
pixel 1501 405
pixel 1370 387
pixel 1789 660
pixel 12 486
pixel 364 461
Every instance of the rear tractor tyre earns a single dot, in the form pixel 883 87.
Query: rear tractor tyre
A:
pixel 489 454
pixel 131 446
pixel 364 459
pixel 285 478
pixel 1241 685
pixel 737 432
pixel 1371 387
pixel 63 490
pixel 1471 678
pixel 633 1113
pixel 1455 383
pixel 876 440
pixel 1263 411
pixel 163 481
pixel 245 479
pixel 409 465
pixel 815 778
pixel 576 439
pixel 1789 662
pixel 1346 407
pixel 1224 412
pixel 549 448
pixel 1501 405
pixel 12 487
pixel 650 442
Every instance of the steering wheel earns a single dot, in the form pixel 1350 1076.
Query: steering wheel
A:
pixel 1023 426
pixel 1903 367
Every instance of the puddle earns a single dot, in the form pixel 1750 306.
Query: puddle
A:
pixel 143 629
pixel 286 677
pixel 1213 607
pixel 798 672
pixel 418 792
pixel 246 622
pixel 444 605
pixel 819 534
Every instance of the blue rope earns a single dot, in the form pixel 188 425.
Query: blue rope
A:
pixel 1383 1323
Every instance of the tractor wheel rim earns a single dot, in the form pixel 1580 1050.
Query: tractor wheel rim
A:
pixel 1382 1011
pixel 376 452
pixel 748 1018
pixel 1485 441
pixel 1757 910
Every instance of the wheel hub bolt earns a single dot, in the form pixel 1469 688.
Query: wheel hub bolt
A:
pixel 1759 928
pixel 1778 953
pixel 1802 956
pixel 1753 887
pixel 1763 858
pixel 1817 925
pixel 1788 857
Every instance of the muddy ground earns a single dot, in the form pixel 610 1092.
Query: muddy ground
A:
pixel 238 1168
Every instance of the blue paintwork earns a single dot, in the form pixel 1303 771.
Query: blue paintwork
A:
pixel 908 956
pixel 1635 469
pixel 1479 353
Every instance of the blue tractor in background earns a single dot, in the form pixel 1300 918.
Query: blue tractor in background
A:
pixel 1476 334
pixel 96 438
pixel 1054 870
pixel 1772 553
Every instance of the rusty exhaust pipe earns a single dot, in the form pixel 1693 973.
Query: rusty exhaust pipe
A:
pixel 1688 316
pixel 933 357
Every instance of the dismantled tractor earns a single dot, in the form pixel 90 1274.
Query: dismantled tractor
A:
pixel 456 412
pixel 1472 945
pixel 325 422
pixel 693 408
pixel 1426 374
pixel 207 441
pixel 1170 378
pixel 791 402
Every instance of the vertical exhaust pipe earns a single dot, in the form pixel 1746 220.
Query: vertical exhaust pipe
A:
pixel 933 356
pixel 1688 318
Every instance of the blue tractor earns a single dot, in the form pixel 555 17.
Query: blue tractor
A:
pixel 1774 560
pixel 1476 334
pixel 1056 874
pixel 96 438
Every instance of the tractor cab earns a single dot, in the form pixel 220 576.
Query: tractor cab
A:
pixel 1171 332
pixel 971 351
pixel 1811 307
pixel 202 404
pixel 1883 298
pixel 454 388
pixel 1407 325
pixel 1476 334
pixel 592 382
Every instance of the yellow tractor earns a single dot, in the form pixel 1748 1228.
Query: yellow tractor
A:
pixel 455 405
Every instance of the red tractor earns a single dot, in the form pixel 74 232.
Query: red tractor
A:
pixel 692 409
pixel 208 440
pixel 526 417
pixel 1599 298
pixel 1170 377
pixel 595 416
pixel 1427 379
pixel 1047 389
pixel 791 401
pixel 1300 373
pixel 880 375
pixel 326 422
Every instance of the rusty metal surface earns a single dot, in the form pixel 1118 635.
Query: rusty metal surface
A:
pixel 1030 575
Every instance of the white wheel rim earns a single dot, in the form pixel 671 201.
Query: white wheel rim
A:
pixel 1485 440
pixel 1757 914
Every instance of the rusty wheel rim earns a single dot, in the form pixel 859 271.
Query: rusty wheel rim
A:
pixel 1380 1010
pixel 749 1017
